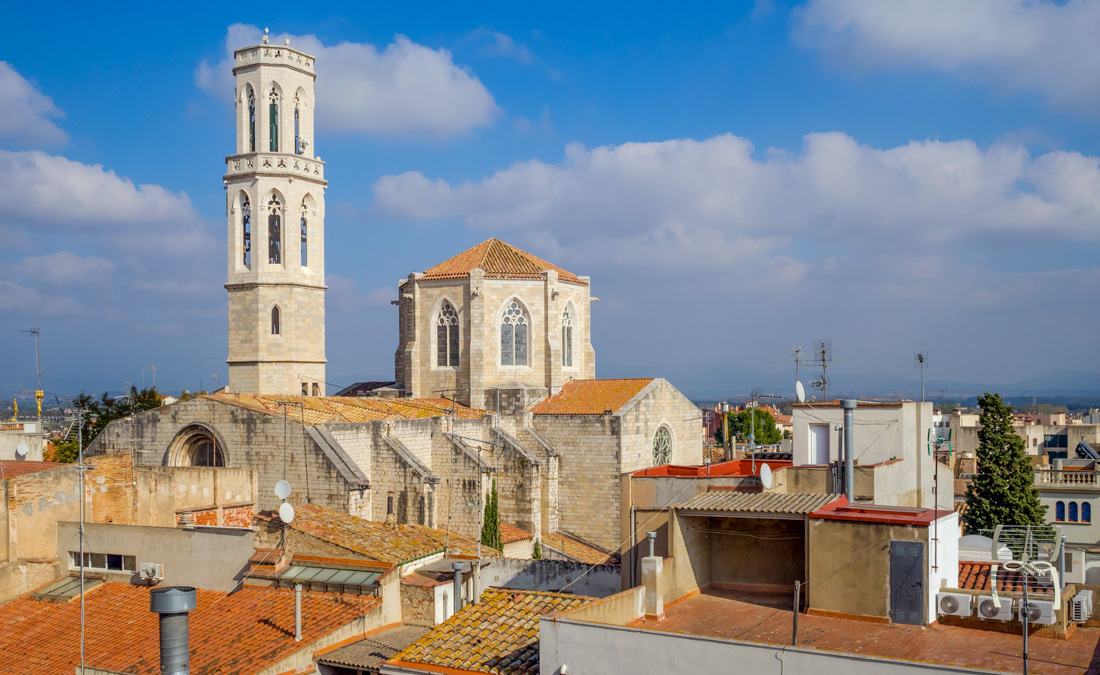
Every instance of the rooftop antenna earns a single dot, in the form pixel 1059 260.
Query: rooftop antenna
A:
pixel 823 354
pixel 920 362
pixel 39 394
pixel 79 414
pixel 755 394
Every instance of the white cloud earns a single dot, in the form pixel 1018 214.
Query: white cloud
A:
pixel 406 89
pixel 62 267
pixel 499 45
pixel 26 114
pixel 58 193
pixel 687 201
pixel 17 298
pixel 1022 45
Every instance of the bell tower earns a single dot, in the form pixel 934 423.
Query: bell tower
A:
pixel 275 206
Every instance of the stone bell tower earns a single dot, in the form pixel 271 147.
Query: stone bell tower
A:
pixel 275 203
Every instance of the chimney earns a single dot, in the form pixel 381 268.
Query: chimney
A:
pixel 457 567
pixel 172 604
pixel 297 612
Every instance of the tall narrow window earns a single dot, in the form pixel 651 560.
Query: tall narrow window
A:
pixel 567 337
pixel 1073 512
pixel 274 230
pixel 276 329
pixel 246 229
pixel 251 120
pixel 273 117
pixel 297 130
pixel 662 447
pixel 316 389
pixel 1086 512
pixel 446 336
pixel 1059 511
pixel 513 336
pixel 305 249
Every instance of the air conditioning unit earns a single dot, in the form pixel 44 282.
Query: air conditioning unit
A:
pixel 1039 611
pixel 955 604
pixel 990 607
pixel 151 571
pixel 1080 607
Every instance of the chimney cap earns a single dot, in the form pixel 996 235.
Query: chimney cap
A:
pixel 172 600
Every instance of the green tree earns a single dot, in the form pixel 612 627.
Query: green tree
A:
pixel 101 412
pixel 1003 491
pixel 740 423
pixel 536 552
pixel 490 525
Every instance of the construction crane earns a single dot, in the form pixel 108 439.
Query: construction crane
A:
pixel 38 393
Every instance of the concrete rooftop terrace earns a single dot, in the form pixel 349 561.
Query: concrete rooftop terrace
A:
pixel 753 617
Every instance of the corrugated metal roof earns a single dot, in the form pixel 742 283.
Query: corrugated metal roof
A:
pixel 370 652
pixel 745 502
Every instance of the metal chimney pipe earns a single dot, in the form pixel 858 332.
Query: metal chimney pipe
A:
pixel 457 567
pixel 297 612
pixel 652 539
pixel 848 406
pixel 172 604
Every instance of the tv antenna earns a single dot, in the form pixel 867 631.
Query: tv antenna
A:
pixel 755 395
pixel 920 362
pixel 823 354
pixel 39 394
pixel 798 355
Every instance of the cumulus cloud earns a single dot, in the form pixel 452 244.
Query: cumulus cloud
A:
pixel 404 89
pixel 17 298
pixel 63 267
pixel 499 45
pixel 688 201
pixel 26 114
pixel 1022 45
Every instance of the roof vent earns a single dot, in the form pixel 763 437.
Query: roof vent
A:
pixel 172 604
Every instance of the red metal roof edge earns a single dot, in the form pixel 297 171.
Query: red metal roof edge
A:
pixel 874 513
pixel 719 469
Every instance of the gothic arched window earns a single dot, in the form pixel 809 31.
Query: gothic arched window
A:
pixel 513 336
pixel 567 337
pixel 273 117
pixel 1073 512
pixel 662 447
pixel 251 120
pixel 246 229
pixel 276 329
pixel 305 257
pixel 446 336
pixel 275 230
pixel 297 129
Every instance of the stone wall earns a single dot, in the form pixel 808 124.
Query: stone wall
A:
pixel 660 405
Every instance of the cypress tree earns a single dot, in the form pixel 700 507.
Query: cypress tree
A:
pixel 536 552
pixel 490 524
pixel 1003 491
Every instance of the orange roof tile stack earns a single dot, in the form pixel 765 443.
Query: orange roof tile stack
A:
pixel 976 576
pixel 238 634
pixel 500 634
pixel 592 397
pixel 321 409
pixel 396 544
pixel 11 468
pixel 499 261
pixel 511 533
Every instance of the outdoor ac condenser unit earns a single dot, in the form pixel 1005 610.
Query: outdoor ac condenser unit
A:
pixel 151 571
pixel 990 607
pixel 955 604
pixel 1040 611
pixel 1080 607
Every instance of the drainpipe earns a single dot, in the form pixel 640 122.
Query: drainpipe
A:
pixel 848 405
pixel 297 612
pixel 172 604
pixel 457 567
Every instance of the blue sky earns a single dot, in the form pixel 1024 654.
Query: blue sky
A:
pixel 735 178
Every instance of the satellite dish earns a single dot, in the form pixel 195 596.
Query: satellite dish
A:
pixel 765 476
pixel 22 450
pixel 286 513
pixel 800 392
pixel 282 489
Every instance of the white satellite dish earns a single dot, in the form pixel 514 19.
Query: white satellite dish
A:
pixel 282 489
pixel 800 392
pixel 765 476
pixel 22 450
pixel 286 513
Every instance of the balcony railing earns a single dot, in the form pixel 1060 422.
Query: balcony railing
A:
pixel 1063 477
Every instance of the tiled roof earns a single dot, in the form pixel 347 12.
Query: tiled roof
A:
pixel 363 388
pixel 579 550
pixel 499 634
pixel 373 650
pixel 321 409
pixel 975 576
pixel 12 468
pixel 396 544
pixel 238 634
pixel 511 533
pixel 499 261
pixel 733 501
pixel 591 397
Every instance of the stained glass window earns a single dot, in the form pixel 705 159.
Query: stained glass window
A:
pixel 274 119
pixel 446 336
pixel 662 447
pixel 274 230
pixel 513 336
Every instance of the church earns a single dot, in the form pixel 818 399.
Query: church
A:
pixel 494 372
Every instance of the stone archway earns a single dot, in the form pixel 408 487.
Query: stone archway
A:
pixel 197 445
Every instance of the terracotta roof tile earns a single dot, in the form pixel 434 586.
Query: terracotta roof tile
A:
pixel 322 409
pixel 238 634
pixel 499 260
pixel 397 544
pixel 12 468
pixel 976 576
pixel 591 397
pixel 511 533
pixel 500 634
pixel 579 550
